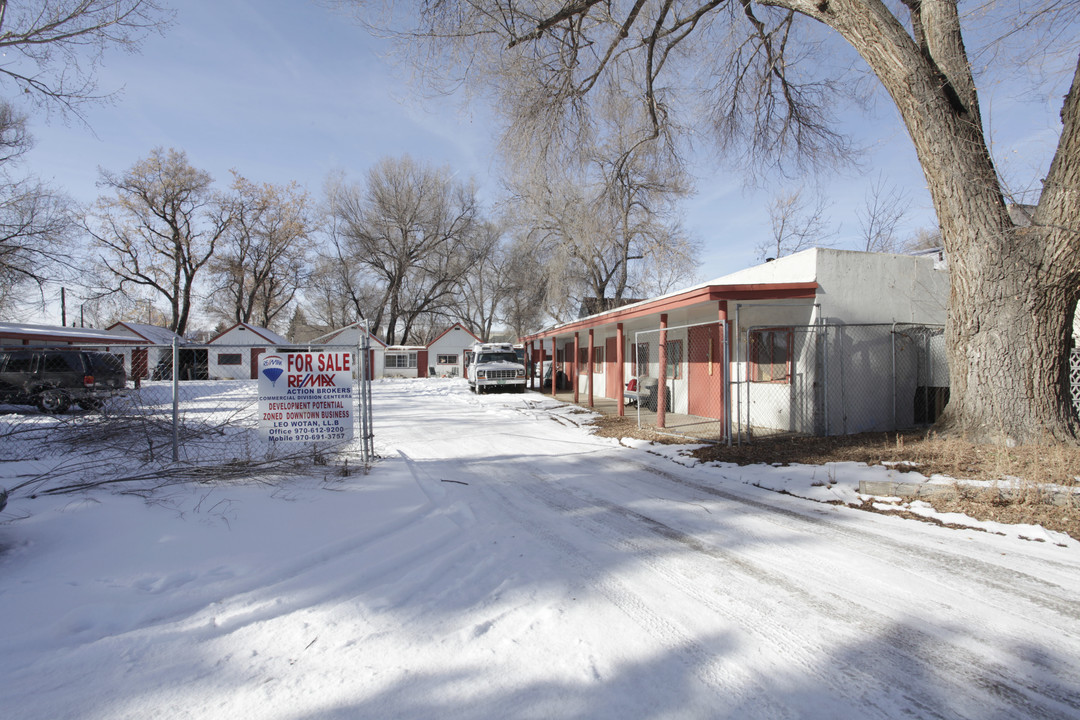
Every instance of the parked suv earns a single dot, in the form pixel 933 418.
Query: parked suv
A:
pixel 55 379
pixel 495 365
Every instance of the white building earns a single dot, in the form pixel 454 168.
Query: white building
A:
pixel 785 346
pixel 446 353
pixel 154 348
pixel 234 353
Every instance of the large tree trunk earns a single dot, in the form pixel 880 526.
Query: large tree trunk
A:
pixel 1013 289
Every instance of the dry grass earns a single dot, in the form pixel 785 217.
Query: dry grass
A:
pixel 1034 468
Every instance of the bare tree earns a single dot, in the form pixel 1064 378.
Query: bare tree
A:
pixel 487 285
pixel 337 292
pixel 36 221
pixel 36 226
pixel 52 48
pixel 524 273
pixel 797 223
pixel 607 223
pixel 261 262
pixel 1014 289
pixel 411 229
pixel 880 216
pixel 159 229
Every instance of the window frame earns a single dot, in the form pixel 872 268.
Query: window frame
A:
pixel 641 359
pixel 758 349
pixel 446 359
pixel 410 360
pixel 673 371
pixel 221 359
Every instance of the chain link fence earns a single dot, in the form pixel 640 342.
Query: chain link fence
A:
pixel 1074 378
pixel 678 380
pixel 190 412
pixel 839 379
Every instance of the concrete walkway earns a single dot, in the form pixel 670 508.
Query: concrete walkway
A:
pixel 691 426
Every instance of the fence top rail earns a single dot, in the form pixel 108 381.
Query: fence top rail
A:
pixel 680 327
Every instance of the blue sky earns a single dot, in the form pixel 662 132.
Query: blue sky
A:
pixel 284 91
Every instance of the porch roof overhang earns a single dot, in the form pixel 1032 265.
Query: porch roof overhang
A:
pixel 686 298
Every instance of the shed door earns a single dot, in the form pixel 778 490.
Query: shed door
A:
pixel 140 363
pixel 255 353
pixel 421 363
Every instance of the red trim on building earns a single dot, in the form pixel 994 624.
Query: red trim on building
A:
pixel 708 293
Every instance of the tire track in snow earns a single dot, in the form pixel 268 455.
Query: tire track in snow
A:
pixel 913 557
pixel 725 682
pixel 906 647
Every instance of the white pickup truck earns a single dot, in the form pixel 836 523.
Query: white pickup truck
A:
pixel 495 365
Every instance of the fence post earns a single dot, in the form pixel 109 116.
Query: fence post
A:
pixel 175 399
pixel 892 336
pixel 726 380
pixel 365 391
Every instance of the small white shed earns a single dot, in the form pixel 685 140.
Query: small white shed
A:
pixel 234 353
pixel 155 345
pixel 446 353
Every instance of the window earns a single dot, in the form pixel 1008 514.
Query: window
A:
pixel 583 357
pixel 674 359
pixel 62 362
pixel 229 359
pixel 401 360
pixel 20 362
pixel 598 356
pixel 446 359
pixel 640 354
pixel 770 355
pixel 494 357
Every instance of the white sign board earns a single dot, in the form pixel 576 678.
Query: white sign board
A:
pixel 306 397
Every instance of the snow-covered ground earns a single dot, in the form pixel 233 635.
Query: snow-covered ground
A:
pixel 502 562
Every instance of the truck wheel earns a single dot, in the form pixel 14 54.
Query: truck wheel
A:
pixel 53 401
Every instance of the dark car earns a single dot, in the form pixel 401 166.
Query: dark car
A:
pixel 54 379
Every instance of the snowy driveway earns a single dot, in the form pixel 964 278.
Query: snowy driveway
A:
pixel 504 563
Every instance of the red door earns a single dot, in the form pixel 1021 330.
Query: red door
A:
pixel 255 353
pixel 706 372
pixel 140 366
pixel 611 376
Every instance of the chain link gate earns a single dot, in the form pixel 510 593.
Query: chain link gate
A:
pixel 680 377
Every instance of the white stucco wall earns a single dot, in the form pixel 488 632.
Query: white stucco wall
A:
pixel 455 341
pixel 239 340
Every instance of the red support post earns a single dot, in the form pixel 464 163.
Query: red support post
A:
pixel 591 353
pixel 620 371
pixel 661 385
pixel 576 369
pixel 554 370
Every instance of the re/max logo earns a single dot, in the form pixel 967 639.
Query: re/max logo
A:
pixel 311 380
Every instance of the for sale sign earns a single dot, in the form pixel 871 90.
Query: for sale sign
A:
pixel 306 397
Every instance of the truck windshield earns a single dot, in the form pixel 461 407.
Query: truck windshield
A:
pixel 498 357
